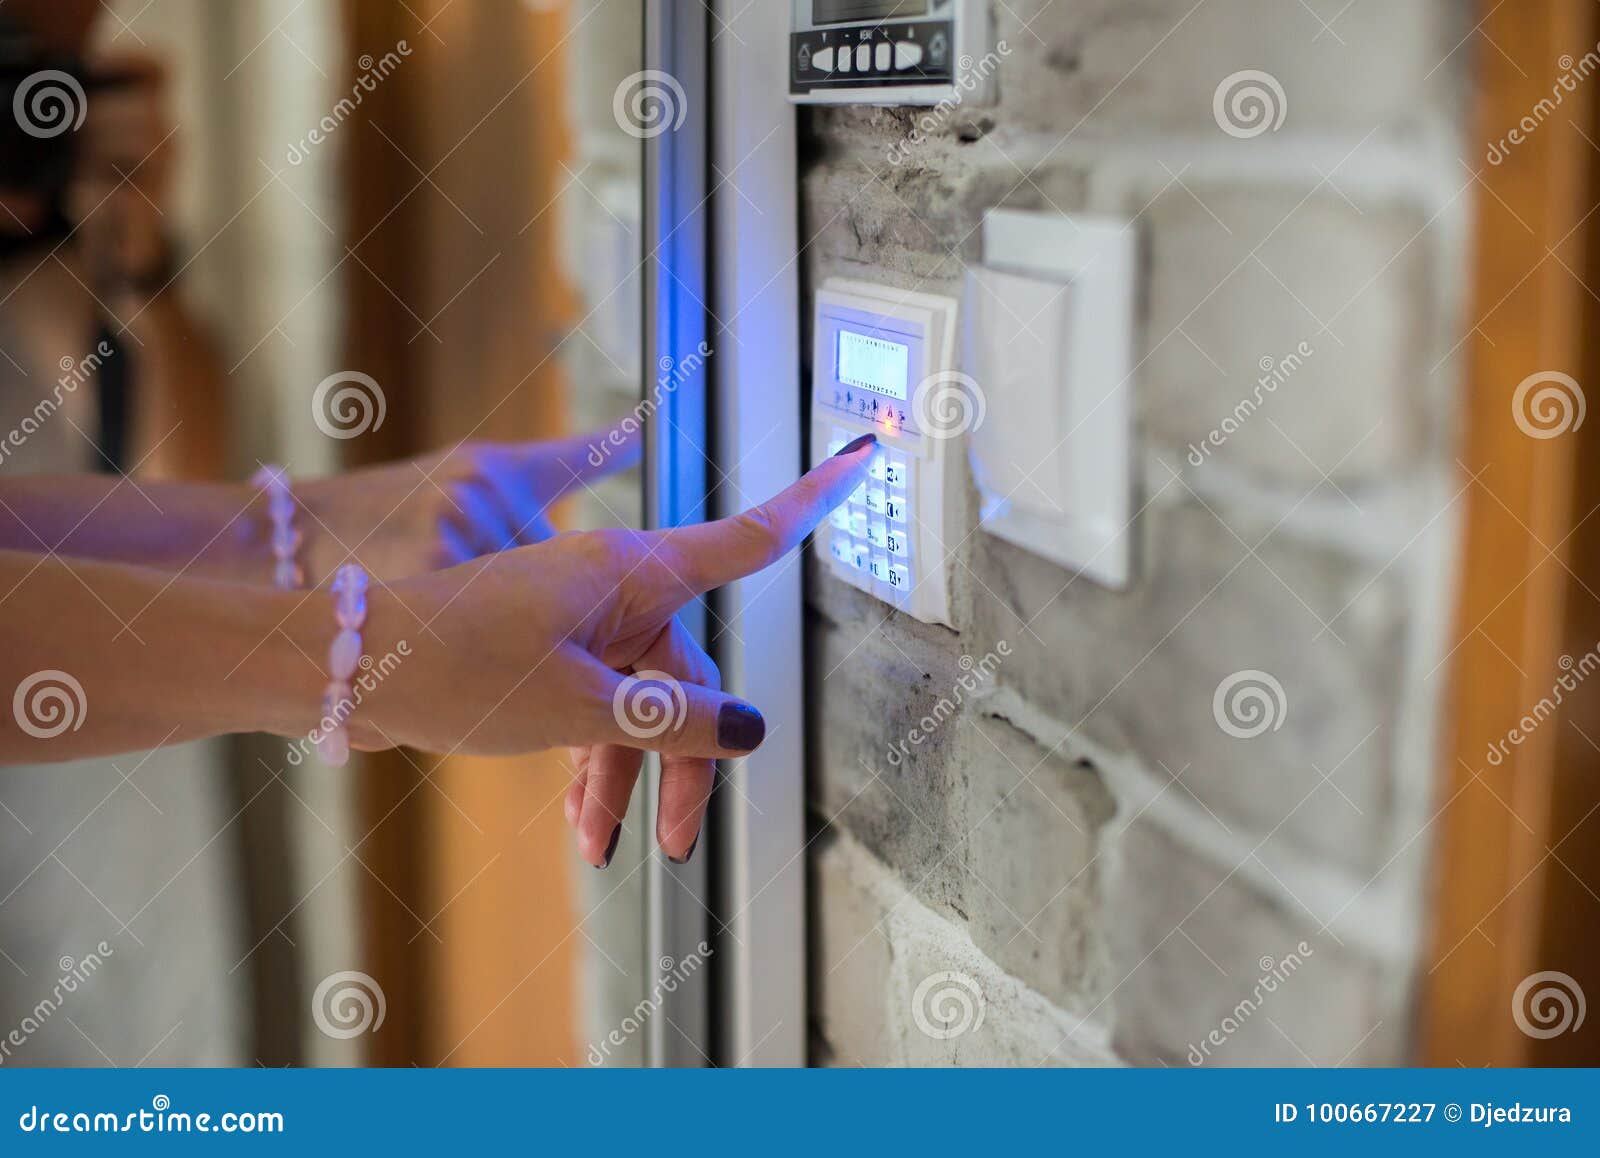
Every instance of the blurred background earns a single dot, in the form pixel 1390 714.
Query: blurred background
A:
pixel 1317 787
pixel 439 194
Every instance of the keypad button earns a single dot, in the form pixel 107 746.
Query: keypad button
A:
pixel 859 556
pixel 897 471
pixel 907 54
pixel 878 533
pixel 822 59
pixel 877 500
pixel 859 495
pixel 881 56
pixel 840 518
pixel 842 550
pixel 878 468
pixel 858 524
pixel 900 577
pixel 846 58
pixel 880 568
pixel 897 542
pixel 863 57
pixel 895 506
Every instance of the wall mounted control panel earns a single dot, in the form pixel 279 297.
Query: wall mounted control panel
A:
pixel 891 52
pixel 882 362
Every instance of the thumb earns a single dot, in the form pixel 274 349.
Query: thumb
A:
pixel 659 712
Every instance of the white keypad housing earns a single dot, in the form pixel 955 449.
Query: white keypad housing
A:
pixel 890 538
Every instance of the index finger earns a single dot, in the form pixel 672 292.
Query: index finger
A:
pixel 716 553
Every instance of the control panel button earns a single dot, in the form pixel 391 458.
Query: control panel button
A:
pixel 895 507
pixel 895 543
pixel 859 556
pixel 822 59
pixel 840 518
pixel 845 58
pixel 842 550
pixel 880 568
pixel 877 500
pixel 863 57
pixel 858 524
pixel 900 577
pixel 907 54
pixel 859 495
pixel 878 533
pixel 881 56
pixel 896 470
pixel 878 468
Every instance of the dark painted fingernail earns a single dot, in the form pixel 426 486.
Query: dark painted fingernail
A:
pixel 856 444
pixel 684 859
pixel 611 849
pixel 740 728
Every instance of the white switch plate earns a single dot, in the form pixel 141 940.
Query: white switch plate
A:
pixel 1049 341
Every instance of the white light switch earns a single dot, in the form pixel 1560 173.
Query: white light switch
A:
pixel 1049 340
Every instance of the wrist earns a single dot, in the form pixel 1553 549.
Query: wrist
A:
pixel 387 690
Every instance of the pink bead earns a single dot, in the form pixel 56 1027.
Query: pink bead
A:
pixel 350 610
pixel 285 541
pixel 287 574
pixel 344 655
pixel 337 702
pixel 351 577
pixel 334 748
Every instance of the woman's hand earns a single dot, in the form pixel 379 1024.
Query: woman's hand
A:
pixel 442 509
pixel 574 642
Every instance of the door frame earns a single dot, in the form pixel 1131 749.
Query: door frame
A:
pixel 677 915
pixel 758 630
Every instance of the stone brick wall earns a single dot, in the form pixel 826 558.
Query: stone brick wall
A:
pixel 1082 853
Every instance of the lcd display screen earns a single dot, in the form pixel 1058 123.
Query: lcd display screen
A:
pixel 874 364
pixel 843 11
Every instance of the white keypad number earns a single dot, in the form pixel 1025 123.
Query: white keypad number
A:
pixel 872 530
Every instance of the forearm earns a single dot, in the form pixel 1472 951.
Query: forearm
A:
pixel 160 659
pixel 204 530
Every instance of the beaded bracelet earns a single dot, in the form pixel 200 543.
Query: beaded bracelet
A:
pixel 274 483
pixel 344 657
